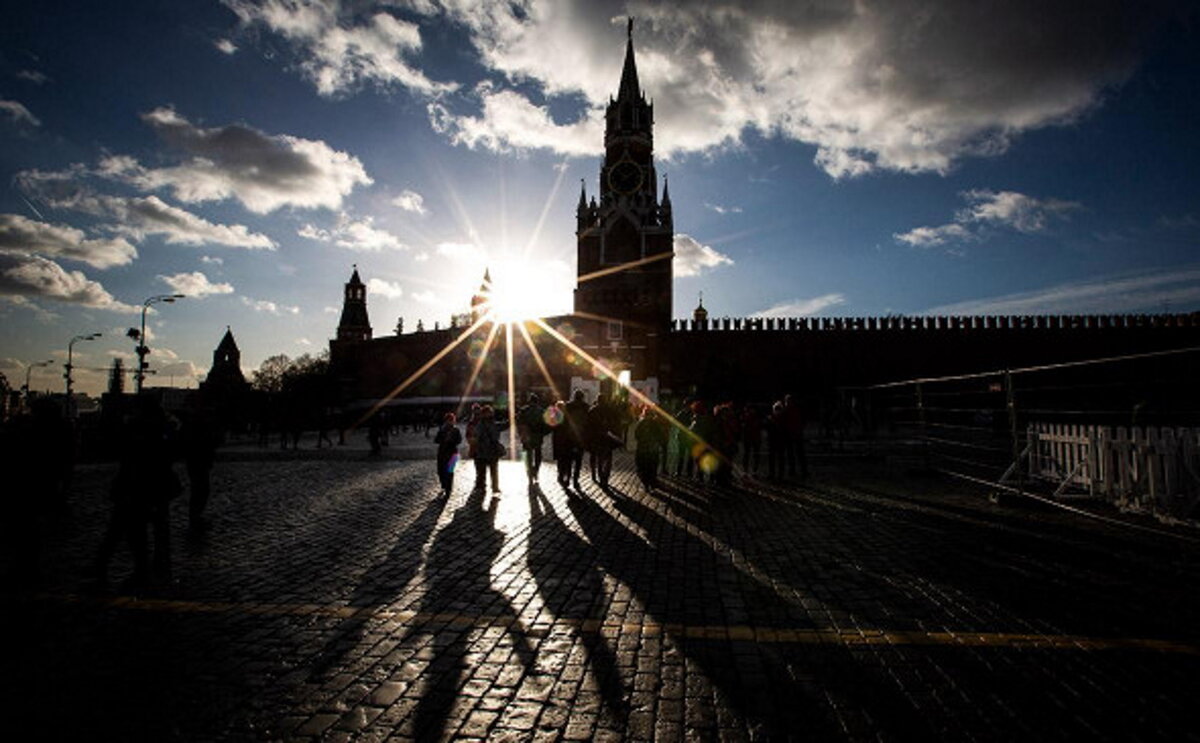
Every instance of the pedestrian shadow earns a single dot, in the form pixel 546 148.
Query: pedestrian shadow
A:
pixel 459 597
pixel 380 586
pixel 677 576
pixel 565 569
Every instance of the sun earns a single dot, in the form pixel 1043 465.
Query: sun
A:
pixel 521 289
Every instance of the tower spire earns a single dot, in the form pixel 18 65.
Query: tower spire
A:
pixel 630 89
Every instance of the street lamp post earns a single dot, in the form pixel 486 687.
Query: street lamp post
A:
pixel 141 349
pixel 70 366
pixel 29 370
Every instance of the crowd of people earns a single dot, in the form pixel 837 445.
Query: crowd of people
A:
pixel 699 440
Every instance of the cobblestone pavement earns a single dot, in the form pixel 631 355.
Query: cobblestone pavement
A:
pixel 339 598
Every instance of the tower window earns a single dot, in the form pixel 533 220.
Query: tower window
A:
pixel 614 330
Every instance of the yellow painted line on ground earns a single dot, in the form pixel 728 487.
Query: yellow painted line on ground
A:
pixel 739 633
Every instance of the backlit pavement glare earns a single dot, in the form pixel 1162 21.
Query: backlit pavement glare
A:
pixel 338 597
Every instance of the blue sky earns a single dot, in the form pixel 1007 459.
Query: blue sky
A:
pixel 831 158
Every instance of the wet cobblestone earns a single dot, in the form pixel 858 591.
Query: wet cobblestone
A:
pixel 340 598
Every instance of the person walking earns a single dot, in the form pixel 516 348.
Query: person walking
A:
pixel 752 430
pixel 141 494
pixel 602 436
pixel 488 448
pixel 576 417
pixel 200 438
pixel 650 436
pixel 447 439
pixel 562 444
pixel 795 454
pixel 532 429
pixel 776 441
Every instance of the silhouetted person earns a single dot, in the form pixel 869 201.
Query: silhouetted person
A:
pixel 488 449
pixel 142 492
pixel 680 444
pixel 752 430
pixel 603 421
pixel 794 443
pixel 725 442
pixel 776 427
pixel 651 437
pixel 375 433
pixel 704 434
pixel 562 443
pixel 532 429
pixel 199 438
pixel 448 438
pixel 323 428
pixel 576 418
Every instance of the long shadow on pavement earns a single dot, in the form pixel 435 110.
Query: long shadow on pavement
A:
pixel 458 582
pixel 566 571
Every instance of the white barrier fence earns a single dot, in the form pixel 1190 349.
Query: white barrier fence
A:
pixel 1141 468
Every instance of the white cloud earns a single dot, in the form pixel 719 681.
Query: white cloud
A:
pixel 303 342
pixel 910 85
pixel 389 289
pixel 150 215
pixel 925 237
pixel 264 172
pixel 35 276
pixel 720 209
pixel 693 258
pixel 354 234
pixel 211 259
pixel 463 252
pixel 989 209
pixel 802 307
pixel 425 297
pixel 1176 290
pixel 421 257
pixel 509 121
pixel 1012 209
pixel 341 50
pixel 328 310
pixel 17 113
pixel 136 217
pixel 263 305
pixel 32 76
pixel 225 46
pixel 20 235
pixel 410 201
pixel 195 284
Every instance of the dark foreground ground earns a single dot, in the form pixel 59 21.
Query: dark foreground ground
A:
pixel 341 599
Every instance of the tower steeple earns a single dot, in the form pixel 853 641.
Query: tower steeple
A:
pixel 629 89
pixel 354 324
pixel 629 119
pixel 625 226
pixel 480 302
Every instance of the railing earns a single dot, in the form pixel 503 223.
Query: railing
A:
pixel 1125 429
pixel 938 322
pixel 1143 468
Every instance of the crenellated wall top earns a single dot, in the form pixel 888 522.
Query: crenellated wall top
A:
pixel 939 322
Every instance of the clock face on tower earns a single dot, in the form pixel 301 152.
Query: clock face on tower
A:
pixel 625 177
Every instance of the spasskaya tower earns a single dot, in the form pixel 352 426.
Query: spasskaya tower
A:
pixel 625 239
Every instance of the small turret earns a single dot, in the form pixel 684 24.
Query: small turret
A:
pixel 664 208
pixel 700 315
